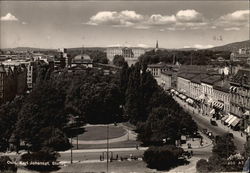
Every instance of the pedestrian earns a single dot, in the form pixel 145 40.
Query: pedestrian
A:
pixel 116 156
pixel 241 134
pixel 191 152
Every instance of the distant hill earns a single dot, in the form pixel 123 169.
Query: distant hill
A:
pixel 232 47
pixel 27 49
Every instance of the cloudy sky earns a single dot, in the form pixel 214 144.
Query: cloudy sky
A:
pixel 175 24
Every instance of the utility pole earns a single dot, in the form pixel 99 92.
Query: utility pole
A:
pixel 76 141
pixel 71 153
pixel 107 148
pixel 191 58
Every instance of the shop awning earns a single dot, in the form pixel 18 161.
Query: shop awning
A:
pixel 189 100
pixel 224 118
pixel 233 89
pixel 183 96
pixel 231 121
pixel 182 90
pixel 201 97
pixel 212 111
pixel 229 118
pixel 247 113
pixel 218 105
pixel 247 130
pixel 210 100
pixel 235 122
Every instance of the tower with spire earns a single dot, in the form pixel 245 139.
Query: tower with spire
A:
pixel 156 46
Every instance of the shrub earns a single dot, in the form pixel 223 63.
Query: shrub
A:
pixel 163 158
pixel 202 166
pixel 42 160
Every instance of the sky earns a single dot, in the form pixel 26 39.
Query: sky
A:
pixel 175 24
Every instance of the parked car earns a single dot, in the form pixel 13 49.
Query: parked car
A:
pixel 213 122
pixel 204 131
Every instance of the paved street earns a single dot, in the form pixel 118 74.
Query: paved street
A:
pixel 203 122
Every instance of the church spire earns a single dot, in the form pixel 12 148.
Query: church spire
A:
pixel 156 46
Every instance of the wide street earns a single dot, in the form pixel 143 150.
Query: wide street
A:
pixel 204 123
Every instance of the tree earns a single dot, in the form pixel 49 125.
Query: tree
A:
pixel 43 108
pixel 119 60
pixel 162 158
pixel 224 146
pixel 202 166
pixel 8 118
pixel 218 162
pixel 47 159
pixel 7 165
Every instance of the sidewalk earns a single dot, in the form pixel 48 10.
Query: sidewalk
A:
pixel 195 144
pixel 103 150
pixel 190 109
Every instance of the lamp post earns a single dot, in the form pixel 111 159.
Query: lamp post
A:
pixel 71 153
pixel 107 148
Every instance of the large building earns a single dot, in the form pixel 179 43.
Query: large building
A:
pixel 12 82
pixel 221 97
pixel 130 54
pixel 240 94
pixel 242 55
pixel 83 60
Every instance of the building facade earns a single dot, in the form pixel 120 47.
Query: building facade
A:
pixel 221 97
pixel 130 54
pixel 240 93
pixel 166 80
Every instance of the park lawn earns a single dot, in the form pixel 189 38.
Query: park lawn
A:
pixel 114 167
pixel 100 133
pixel 122 144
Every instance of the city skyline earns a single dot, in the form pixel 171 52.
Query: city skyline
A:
pixel 178 24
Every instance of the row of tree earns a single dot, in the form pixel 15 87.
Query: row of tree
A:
pixel 59 102
pixel 195 57
pixel 157 116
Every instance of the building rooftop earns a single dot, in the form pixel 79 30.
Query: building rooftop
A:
pixel 169 73
pixel 188 76
pixel 193 68
pixel 242 77
pixel 197 79
pixel 158 65
pixel 222 85
pixel 211 79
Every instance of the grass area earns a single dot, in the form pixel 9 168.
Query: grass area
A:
pixel 123 144
pixel 100 133
pixel 114 167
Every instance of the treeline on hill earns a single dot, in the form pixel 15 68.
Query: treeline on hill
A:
pixel 195 57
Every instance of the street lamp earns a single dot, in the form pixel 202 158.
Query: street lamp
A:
pixel 107 148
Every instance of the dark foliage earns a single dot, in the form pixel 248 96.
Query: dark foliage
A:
pixel 44 160
pixel 6 164
pixel 202 166
pixel 218 162
pixel 163 158
pixel 119 60
pixel 198 57
pixel 155 113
